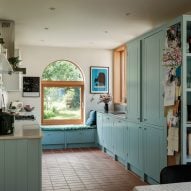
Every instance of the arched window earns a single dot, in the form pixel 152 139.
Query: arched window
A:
pixel 62 88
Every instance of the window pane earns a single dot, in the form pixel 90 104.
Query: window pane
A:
pixel 62 103
pixel 62 71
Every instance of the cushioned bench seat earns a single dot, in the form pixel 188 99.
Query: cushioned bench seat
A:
pixel 68 136
pixel 66 127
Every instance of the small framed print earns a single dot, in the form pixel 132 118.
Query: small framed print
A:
pixel 31 86
pixel 99 80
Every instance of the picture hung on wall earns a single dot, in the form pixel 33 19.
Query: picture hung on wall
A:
pixel 99 79
pixel 31 86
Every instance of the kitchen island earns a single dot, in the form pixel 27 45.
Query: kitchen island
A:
pixel 20 158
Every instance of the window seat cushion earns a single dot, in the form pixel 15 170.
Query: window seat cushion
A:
pixel 66 127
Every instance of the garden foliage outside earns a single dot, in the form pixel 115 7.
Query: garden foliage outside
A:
pixel 62 102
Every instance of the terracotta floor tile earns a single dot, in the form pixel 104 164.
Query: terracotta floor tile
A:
pixel 86 169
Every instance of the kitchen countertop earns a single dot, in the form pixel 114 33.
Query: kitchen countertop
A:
pixel 120 114
pixel 24 129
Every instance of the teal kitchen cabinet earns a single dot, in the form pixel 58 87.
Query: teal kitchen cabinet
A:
pixel 99 129
pixel 119 126
pixel 20 164
pixel 126 140
pixel 107 132
pixel 152 80
pixel 133 80
pixel 135 146
pixel 154 151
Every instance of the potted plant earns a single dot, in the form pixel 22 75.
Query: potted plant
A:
pixel 14 61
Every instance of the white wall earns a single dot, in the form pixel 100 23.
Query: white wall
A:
pixel 35 59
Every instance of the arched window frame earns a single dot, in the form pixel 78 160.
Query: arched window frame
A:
pixel 79 84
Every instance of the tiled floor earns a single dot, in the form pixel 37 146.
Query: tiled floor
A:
pixel 84 169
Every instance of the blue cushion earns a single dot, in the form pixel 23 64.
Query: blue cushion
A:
pixel 92 118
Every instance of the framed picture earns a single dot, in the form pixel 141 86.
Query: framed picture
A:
pixel 99 79
pixel 31 86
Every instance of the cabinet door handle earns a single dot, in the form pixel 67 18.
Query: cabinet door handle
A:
pixel 139 127
pixel 145 128
pixel 144 119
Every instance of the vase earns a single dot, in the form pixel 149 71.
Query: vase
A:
pixel 106 108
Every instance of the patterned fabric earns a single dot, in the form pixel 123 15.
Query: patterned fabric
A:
pixel 66 127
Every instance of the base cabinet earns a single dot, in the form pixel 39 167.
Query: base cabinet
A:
pixel 20 164
pixel 107 132
pixel 140 147
pixel 119 136
pixel 135 146
pixel 154 153
pixel 99 129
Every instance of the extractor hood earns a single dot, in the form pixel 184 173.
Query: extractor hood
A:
pixel 7 36
pixel 5 66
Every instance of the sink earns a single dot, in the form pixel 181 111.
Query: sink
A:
pixel 118 113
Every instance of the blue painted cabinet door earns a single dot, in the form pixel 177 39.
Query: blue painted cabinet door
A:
pixel 107 132
pixel 154 151
pixel 135 151
pixel 152 80
pixel 118 137
pixel 133 81
pixel 126 141
pixel 99 129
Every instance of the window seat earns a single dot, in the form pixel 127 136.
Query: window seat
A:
pixel 66 127
pixel 68 136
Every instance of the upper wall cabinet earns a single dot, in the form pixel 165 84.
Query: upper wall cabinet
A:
pixel 152 86
pixel 133 80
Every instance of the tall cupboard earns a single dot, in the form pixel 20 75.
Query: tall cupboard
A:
pixel 147 148
pixel 144 138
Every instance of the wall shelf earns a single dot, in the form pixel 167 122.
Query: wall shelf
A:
pixel 23 70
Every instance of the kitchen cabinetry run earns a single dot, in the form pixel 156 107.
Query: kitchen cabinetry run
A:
pixel 145 101
pixel 113 133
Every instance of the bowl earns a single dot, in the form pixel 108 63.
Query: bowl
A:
pixel 28 108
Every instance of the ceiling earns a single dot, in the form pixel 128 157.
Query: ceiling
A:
pixel 87 23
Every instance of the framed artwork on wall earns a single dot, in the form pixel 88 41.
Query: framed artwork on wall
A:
pixel 31 86
pixel 99 80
